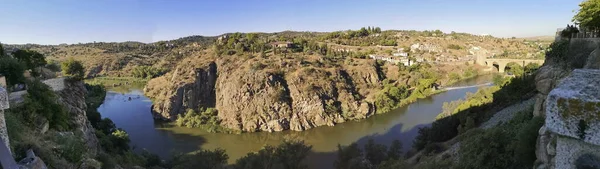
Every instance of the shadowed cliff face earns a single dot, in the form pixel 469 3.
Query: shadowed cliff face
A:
pixel 250 98
pixel 200 92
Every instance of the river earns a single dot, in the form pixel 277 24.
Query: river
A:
pixel 133 115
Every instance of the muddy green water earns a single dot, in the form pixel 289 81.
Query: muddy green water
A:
pixel 130 110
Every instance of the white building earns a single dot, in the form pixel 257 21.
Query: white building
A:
pixel 402 54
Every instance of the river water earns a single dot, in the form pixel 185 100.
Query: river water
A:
pixel 130 110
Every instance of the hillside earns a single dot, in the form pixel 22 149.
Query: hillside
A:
pixel 290 80
pixel 118 59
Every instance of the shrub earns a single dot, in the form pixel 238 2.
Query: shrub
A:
pixel 107 161
pixel 375 153
pixel 13 70
pixel 205 159
pixel 94 98
pixel 147 72
pixel 526 141
pixel 73 69
pixel 120 140
pixel 53 66
pixel 207 119
pixel 346 155
pixel 41 100
pixel 71 148
pixel 531 68
pixel 557 51
pixel 374 156
pixel 496 147
pixel 454 46
pixel 390 97
pixel 487 150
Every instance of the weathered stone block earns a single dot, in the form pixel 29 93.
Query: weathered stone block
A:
pixel 3 99
pixel 572 153
pixel 573 107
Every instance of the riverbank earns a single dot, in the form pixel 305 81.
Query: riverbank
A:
pixel 399 124
pixel 478 74
pixel 116 81
pixel 118 84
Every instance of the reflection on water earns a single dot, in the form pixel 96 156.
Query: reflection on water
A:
pixel 133 115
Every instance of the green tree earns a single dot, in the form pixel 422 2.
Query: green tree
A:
pixel 73 69
pixel 205 159
pixel 2 51
pixel 363 32
pixel 41 100
pixel 120 139
pixel 515 69
pixel 395 151
pixel 31 59
pixel 588 15
pixel 377 30
pixel 346 155
pixel 288 155
pixel 13 70
pixel 531 67
pixel 375 153
pixel 569 31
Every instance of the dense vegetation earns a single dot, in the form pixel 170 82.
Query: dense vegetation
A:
pixel 372 156
pixel 40 100
pixel 206 119
pixel 394 95
pixel 31 59
pixel 588 15
pixel 510 145
pixel 476 109
pixel 147 72
pixel 13 70
pixel 73 69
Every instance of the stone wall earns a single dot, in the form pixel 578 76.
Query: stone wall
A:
pixel 572 128
pixel 554 81
pixel 3 106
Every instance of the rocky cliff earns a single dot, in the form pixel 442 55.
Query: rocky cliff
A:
pixel 72 97
pixel 253 97
pixel 175 98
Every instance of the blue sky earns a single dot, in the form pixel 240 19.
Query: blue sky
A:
pixel 74 21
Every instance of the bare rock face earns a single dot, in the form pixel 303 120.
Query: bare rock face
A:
pixel 265 100
pixel 253 101
pixel 547 78
pixel 72 97
pixel 175 98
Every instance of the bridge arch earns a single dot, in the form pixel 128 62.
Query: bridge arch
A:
pixel 500 64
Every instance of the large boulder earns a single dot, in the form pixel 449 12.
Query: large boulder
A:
pixel 572 115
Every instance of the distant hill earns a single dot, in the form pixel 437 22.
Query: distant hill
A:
pixel 541 38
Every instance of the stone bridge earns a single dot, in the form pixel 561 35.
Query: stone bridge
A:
pixel 501 63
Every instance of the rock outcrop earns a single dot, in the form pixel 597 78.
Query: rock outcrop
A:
pixel 265 99
pixel 175 98
pixel 72 97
